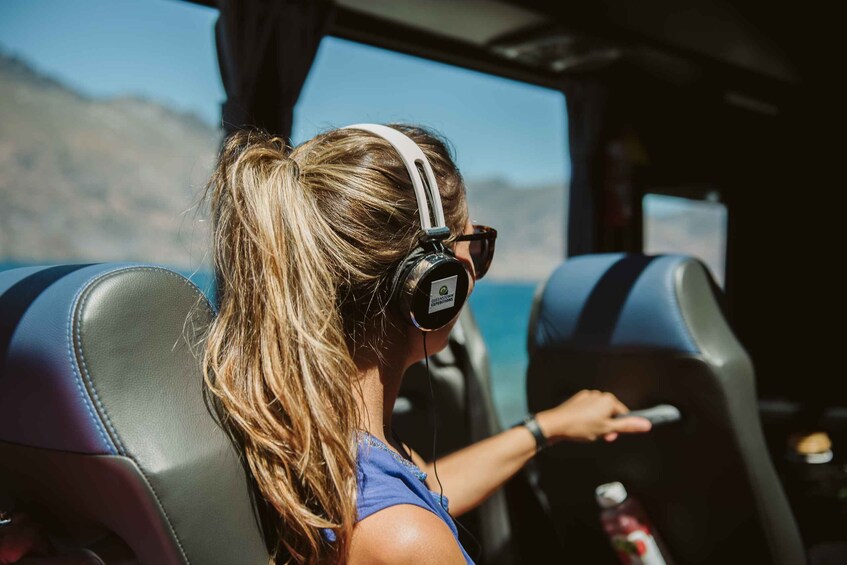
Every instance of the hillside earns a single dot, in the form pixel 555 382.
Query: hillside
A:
pixel 103 180
pixel 530 225
pixel 98 180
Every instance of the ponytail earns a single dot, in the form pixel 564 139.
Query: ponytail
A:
pixel 305 243
pixel 276 356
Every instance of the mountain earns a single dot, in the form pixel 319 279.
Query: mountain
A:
pixel 530 225
pixel 96 180
pixel 695 228
pixel 85 179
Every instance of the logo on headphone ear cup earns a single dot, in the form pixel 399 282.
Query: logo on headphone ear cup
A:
pixel 430 288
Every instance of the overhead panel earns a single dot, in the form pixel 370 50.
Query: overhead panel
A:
pixel 470 21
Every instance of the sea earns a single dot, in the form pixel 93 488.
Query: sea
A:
pixel 501 310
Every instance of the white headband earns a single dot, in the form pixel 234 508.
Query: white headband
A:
pixel 415 161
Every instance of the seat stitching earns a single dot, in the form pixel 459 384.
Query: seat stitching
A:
pixel 87 375
pixel 110 445
pixel 206 302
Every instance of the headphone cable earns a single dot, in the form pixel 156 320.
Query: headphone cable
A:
pixel 478 551
pixel 434 422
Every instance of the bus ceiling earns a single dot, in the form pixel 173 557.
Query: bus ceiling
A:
pixel 673 79
pixel 735 43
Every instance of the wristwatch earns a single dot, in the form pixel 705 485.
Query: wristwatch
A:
pixel 531 424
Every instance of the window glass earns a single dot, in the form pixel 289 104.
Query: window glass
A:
pixel 690 227
pixel 109 111
pixel 510 144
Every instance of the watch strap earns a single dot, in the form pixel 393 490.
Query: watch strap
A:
pixel 532 425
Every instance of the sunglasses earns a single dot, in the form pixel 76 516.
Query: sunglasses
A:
pixel 481 248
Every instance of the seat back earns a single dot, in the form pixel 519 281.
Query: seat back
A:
pixel 103 425
pixel 651 330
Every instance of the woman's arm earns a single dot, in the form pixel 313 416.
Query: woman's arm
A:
pixel 472 474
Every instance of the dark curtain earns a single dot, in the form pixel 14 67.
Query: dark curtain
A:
pixel 265 51
pixel 587 103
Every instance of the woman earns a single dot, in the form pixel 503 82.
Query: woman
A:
pixel 309 346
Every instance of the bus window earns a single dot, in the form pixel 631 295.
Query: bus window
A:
pixel 690 227
pixel 110 113
pixel 510 144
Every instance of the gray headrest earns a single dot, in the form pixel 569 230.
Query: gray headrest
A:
pixel 101 375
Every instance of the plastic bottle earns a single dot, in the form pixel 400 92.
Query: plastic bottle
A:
pixel 629 530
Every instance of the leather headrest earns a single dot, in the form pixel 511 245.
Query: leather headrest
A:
pixel 617 302
pixel 101 390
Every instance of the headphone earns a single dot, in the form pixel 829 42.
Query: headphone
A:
pixel 430 285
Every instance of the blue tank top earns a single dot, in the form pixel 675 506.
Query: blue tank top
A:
pixel 386 479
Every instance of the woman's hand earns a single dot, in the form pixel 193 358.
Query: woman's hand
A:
pixel 588 415
pixel 21 538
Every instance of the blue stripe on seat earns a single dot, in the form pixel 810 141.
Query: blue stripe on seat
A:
pixel 614 301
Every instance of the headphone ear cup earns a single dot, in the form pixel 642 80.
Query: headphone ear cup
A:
pixel 398 281
pixel 430 288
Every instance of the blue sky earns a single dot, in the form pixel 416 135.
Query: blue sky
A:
pixel 164 50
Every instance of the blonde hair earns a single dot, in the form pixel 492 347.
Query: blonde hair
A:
pixel 305 244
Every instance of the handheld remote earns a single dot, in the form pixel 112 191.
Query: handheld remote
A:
pixel 660 414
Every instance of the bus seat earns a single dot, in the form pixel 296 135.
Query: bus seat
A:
pixel 103 427
pixel 650 329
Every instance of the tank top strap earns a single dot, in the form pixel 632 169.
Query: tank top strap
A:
pixel 386 479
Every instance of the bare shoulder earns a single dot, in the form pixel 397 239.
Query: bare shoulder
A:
pixel 404 534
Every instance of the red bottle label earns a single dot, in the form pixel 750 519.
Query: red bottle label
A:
pixel 632 540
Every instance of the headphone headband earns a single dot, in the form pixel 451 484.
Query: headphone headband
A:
pixel 430 285
pixel 425 187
